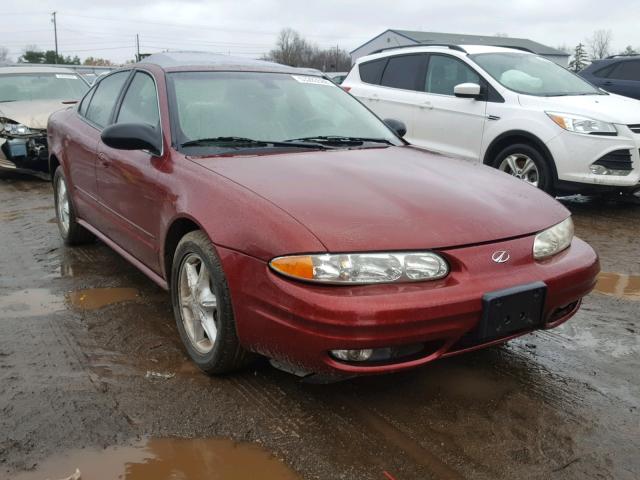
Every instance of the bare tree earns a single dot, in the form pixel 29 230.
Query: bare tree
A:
pixel 4 55
pixel 292 49
pixel 599 44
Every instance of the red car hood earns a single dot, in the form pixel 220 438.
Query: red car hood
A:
pixel 397 198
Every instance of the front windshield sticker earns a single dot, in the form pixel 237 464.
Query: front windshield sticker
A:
pixel 67 76
pixel 313 80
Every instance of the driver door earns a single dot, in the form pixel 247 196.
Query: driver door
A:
pixel 128 179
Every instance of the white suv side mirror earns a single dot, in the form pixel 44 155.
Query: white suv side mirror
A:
pixel 467 90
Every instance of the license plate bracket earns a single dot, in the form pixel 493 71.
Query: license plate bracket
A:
pixel 512 310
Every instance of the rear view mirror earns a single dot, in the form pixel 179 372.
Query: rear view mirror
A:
pixel 467 90
pixel 132 136
pixel 397 126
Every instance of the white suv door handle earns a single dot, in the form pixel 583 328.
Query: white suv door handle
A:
pixel 427 104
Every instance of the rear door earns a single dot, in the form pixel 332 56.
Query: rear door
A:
pixel 128 179
pixel 367 90
pixel 445 123
pixel 81 148
pixel 399 95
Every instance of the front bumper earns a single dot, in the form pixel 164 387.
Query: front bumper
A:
pixel 297 324
pixel 574 154
pixel 24 154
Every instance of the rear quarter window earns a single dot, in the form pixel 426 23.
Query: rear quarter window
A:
pixel 371 72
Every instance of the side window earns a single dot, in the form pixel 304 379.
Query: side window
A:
pixel 140 103
pixel 371 72
pixel 404 72
pixel 445 72
pixel 627 70
pixel 82 108
pixel 104 98
pixel 605 72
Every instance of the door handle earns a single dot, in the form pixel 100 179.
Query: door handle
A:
pixel 608 83
pixel 104 161
pixel 427 105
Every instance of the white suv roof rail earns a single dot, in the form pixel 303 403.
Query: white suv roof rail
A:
pixel 448 45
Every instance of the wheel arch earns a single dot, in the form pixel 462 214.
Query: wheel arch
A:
pixel 178 228
pixel 54 163
pixel 505 139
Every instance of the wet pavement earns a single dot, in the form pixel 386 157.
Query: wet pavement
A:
pixel 93 376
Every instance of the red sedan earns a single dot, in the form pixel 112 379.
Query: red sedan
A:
pixel 289 221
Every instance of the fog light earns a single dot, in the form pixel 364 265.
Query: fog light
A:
pixel 353 355
pixel 602 170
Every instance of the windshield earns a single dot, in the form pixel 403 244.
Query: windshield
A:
pixel 268 107
pixel 41 86
pixel 533 75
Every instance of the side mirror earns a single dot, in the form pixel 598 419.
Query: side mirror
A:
pixel 467 90
pixel 397 126
pixel 132 136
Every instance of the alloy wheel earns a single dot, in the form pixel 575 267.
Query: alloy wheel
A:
pixel 198 303
pixel 521 166
pixel 63 205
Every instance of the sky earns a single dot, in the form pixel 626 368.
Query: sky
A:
pixel 108 28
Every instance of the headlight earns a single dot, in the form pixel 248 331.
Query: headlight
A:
pixel 363 268
pixel 579 124
pixel 14 128
pixel 553 240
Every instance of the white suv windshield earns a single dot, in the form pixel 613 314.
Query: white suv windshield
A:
pixel 268 107
pixel 533 75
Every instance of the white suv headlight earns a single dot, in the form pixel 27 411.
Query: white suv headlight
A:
pixel 362 268
pixel 579 124
pixel 553 240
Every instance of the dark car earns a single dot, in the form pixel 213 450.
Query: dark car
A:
pixel 288 220
pixel 618 74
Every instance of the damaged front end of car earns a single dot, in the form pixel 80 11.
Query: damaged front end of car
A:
pixel 22 148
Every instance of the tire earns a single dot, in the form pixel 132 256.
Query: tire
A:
pixel 541 176
pixel 194 314
pixel 71 231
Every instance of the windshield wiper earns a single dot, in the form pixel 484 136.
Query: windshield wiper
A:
pixel 239 141
pixel 337 139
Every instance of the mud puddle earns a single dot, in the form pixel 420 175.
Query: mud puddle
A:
pixel 213 459
pixel 619 285
pixel 30 303
pixel 97 298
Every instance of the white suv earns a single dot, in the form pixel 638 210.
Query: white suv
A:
pixel 509 109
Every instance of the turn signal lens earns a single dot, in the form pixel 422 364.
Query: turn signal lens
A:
pixel 298 267
pixel 363 268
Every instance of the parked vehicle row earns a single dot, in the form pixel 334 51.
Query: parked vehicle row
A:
pixel 287 220
pixel 509 109
pixel 28 95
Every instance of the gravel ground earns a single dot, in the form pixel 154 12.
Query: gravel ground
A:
pixel 90 359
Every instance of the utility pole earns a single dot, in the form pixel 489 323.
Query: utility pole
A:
pixel 137 47
pixel 55 33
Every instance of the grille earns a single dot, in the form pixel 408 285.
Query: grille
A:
pixel 635 128
pixel 617 160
